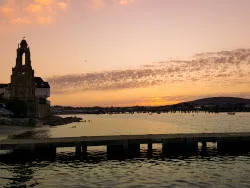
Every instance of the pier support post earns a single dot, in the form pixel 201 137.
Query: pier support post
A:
pixel 125 148
pixel 84 150
pixel 204 147
pixel 150 146
pixel 45 152
pixel 179 146
pixel 24 154
pixel 133 148
pixel 192 145
pixel 78 150
pixel 233 145
pixel 115 151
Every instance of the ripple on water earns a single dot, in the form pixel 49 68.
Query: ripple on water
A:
pixel 193 171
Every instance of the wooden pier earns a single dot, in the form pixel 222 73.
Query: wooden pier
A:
pixel 130 144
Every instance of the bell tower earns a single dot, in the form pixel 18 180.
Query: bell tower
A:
pixel 22 85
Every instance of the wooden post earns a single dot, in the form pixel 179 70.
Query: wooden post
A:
pixel 125 148
pixel 150 146
pixel 45 152
pixel 204 146
pixel 133 148
pixel 192 145
pixel 84 150
pixel 233 145
pixel 115 151
pixel 179 146
pixel 78 150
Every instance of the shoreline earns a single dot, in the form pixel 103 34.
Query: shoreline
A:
pixel 29 127
pixel 8 130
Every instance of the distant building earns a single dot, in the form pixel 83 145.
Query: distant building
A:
pixel 25 87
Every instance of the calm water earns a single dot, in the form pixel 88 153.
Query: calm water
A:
pixel 212 170
pixel 154 124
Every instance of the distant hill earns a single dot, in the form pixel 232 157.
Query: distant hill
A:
pixel 220 101
pixel 213 104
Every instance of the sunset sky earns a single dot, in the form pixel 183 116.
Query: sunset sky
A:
pixel 131 52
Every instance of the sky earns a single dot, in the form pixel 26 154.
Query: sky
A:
pixel 131 52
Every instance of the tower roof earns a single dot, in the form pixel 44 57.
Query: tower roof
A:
pixel 24 42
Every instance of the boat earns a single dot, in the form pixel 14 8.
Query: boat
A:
pixel 231 113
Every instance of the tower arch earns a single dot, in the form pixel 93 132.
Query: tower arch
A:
pixel 23 50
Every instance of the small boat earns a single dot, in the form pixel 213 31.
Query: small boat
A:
pixel 231 113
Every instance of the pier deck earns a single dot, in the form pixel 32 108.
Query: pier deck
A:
pixel 170 142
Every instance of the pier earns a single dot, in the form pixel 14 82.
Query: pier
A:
pixel 130 144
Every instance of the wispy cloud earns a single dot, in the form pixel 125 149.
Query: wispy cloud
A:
pixel 124 2
pixel 32 11
pixel 218 68
pixel 45 11
pixel 20 20
pixel 97 4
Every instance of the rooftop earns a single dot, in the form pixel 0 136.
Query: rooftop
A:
pixel 40 83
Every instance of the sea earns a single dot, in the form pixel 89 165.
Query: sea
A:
pixel 211 169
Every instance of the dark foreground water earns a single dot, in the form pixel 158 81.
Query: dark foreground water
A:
pixel 209 169
pixel 156 171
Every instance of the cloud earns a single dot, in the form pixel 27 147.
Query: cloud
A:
pixel 32 11
pixel 6 11
pixel 20 21
pixel 44 2
pixel 44 19
pixel 125 2
pixel 218 68
pixel 97 4
pixel 63 5
pixel 34 8
pixel 45 11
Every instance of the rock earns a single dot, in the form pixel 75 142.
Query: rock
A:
pixel 31 122
pixel 27 122
pixel 27 134
pixel 5 121
pixel 30 134
pixel 57 120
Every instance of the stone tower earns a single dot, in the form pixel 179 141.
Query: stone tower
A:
pixel 22 85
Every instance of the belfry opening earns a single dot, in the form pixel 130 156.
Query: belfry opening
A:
pixel 23 54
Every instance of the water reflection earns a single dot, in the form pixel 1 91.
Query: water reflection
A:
pixel 19 175
pixel 22 174
pixel 100 154
pixel 98 170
